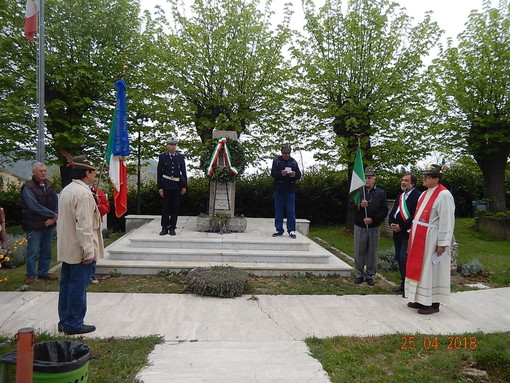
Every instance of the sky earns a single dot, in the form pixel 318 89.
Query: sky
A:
pixel 451 16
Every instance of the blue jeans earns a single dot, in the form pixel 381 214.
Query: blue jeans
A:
pixel 72 297
pixel 39 251
pixel 287 200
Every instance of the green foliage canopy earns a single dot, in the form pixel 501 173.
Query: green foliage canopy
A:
pixel 472 88
pixel 223 69
pixel 360 66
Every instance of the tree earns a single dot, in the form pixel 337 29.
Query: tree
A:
pixel 223 69
pixel 472 86
pixel 17 83
pixel 87 44
pixel 360 67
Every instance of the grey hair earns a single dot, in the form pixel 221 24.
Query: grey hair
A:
pixel 36 165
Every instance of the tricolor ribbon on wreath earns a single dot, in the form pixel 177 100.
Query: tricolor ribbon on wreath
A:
pixel 222 144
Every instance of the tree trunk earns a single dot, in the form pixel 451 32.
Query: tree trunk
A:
pixel 493 170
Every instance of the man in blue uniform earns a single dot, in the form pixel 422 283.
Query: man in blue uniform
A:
pixel 172 183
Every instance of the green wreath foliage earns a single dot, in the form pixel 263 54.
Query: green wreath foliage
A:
pixel 223 174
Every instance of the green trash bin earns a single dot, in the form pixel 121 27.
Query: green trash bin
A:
pixel 57 361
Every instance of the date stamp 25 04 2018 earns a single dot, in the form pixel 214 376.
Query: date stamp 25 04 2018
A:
pixel 449 343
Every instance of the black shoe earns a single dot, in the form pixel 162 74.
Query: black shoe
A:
pixel 83 330
pixel 427 310
pixel 358 281
pixel 415 305
pixel 278 234
pixel 370 282
pixel 399 290
pixel 164 231
pixel 292 234
pixel 172 231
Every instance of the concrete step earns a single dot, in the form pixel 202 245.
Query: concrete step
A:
pixel 144 251
pixel 220 242
pixel 217 255
pixel 107 266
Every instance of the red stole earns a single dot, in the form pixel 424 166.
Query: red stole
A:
pixel 417 241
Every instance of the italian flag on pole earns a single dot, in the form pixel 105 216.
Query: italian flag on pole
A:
pixel 358 177
pixel 31 11
pixel 117 151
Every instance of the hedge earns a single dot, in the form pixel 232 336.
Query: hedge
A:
pixel 321 196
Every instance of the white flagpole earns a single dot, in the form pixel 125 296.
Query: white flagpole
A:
pixel 40 85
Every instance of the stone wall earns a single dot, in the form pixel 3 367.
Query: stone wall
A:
pixel 497 227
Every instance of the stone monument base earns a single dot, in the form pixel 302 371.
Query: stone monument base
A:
pixel 221 224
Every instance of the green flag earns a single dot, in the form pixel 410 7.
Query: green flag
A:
pixel 358 177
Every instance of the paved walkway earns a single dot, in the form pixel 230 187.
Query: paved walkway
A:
pixel 252 338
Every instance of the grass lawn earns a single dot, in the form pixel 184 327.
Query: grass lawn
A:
pixel 414 358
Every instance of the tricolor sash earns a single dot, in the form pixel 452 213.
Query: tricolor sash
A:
pixel 404 211
pixel 417 241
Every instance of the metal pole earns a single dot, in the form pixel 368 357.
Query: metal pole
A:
pixel 25 358
pixel 139 177
pixel 40 86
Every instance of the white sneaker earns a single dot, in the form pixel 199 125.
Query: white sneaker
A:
pixel 292 234
pixel 94 280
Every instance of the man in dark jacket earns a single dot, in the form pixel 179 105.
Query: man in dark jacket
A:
pixel 367 228
pixel 39 209
pixel 400 220
pixel 172 183
pixel 285 172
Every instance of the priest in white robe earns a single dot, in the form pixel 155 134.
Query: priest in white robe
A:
pixel 428 262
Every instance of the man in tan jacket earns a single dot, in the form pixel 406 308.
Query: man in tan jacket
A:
pixel 79 243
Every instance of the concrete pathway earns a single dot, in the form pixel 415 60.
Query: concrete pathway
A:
pixel 252 338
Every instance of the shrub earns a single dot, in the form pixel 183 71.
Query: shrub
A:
pixel 217 281
pixel 10 200
pixel 386 260
pixel 15 255
pixel 472 267
pixel 466 186
pixel 322 196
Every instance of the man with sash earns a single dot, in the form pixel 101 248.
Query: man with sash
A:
pixel 400 220
pixel 368 216
pixel 172 183
pixel 428 261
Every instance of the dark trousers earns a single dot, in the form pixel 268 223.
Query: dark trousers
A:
pixel 170 208
pixel 72 297
pixel 401 256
